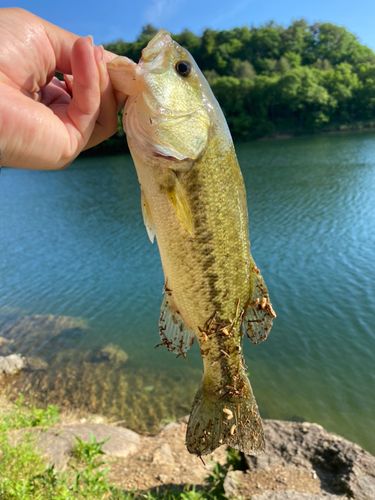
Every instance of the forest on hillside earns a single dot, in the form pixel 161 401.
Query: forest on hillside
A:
pixel 273 80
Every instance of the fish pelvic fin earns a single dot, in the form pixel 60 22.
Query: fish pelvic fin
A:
pixel 233 421
pixel 174 334
pixel 258 318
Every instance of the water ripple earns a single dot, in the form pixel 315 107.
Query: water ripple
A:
pixel 73 244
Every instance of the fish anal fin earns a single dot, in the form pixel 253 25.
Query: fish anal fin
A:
pixel 258 318
pixel 174 334
pixel 147 219
pixel 179 200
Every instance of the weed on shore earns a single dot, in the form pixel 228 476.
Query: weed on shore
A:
pixel 25 475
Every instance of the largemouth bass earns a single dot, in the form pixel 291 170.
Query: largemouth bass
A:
pixel 193 200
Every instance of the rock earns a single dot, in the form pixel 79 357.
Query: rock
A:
pixel 170 426
pixel 163 455
pixel 290 495
pixel 183 420
pixel 163 478
pixel 112 353
pixel 31 331
pixel 344 466
pixel 57 443
pixel 239 484
pixel 232 482
pixel 36 364
pixel 4 341
pixel 97 419
pixel 12 364
pixel 5 346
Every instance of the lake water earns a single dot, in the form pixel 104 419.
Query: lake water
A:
pixel 74 250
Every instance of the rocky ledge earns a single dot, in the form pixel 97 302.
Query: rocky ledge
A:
pixel 296 450
pixel 12 364
pixel 302 461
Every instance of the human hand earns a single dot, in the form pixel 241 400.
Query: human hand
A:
pixel 46 123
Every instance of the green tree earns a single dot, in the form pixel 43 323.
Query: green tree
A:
pixel 275 79
pixel 242 69
pixel 301 94
pixel 342 84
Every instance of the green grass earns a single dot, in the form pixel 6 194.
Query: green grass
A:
pixel 24 475
pixel 27 416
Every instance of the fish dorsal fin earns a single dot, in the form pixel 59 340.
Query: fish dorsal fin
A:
pixel 147 219
pixel 174 334
pixel 180 202
pixel 259 316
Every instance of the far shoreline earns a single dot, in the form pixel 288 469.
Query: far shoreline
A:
pixel 117 144
pixel 330 131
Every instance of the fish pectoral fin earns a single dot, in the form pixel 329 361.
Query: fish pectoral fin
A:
pixel 180 203
pixel 174 334
pixel 258 318
pixel 147 219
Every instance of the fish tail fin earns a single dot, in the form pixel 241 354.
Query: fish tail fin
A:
pixel 232 420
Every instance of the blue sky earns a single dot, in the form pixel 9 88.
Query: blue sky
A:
pixel 110 20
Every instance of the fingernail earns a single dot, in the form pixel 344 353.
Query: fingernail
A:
pixel 99 54
pixel 102 51
pixel 69 82
pixel 91 39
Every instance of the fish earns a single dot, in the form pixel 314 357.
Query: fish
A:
pixel 193 202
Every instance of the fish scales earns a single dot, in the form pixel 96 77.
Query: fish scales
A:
pixel 200 270
pixel 194 202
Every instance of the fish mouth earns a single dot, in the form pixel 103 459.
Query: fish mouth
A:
pixel 156 45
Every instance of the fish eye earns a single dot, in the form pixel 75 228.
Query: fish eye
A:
pixel 184 68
